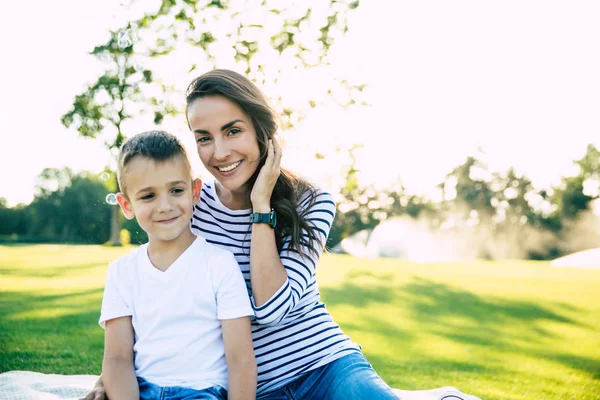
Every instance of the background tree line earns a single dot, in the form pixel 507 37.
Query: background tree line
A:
pixel 497 212
pixel 72 208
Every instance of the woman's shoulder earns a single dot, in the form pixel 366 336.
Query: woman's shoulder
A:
pixel 316 197
pixel 208 187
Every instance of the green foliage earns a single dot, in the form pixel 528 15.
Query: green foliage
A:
pixel 466 189
pixel 74 211
pixel 13 220
pixel 119 94
pixel 571 198
pixel 507 208
pixel 136 233
pixel 504 206
pixel 364 207
pixel 194 23
pixel 284 34
pixel 67 208
pixel 124 90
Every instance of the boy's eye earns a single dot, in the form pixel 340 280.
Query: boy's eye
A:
pixel 147 197
pixel 177 191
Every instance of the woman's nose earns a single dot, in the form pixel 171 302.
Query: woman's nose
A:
pixel 222 150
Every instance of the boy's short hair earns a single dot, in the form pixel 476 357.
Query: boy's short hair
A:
pixel 158 146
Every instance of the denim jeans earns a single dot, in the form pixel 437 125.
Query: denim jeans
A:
pixel 349 377
pixel 150 391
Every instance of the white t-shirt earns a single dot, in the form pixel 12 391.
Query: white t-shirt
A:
pixel 176 313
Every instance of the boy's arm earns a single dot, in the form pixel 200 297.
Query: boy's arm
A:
pixel 239 353
pixel 118 372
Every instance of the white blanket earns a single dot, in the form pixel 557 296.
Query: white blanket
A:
pixel 25 385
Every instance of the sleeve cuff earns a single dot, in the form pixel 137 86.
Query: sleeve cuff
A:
pixel 271 303
pixel 233 313
pixel 107 316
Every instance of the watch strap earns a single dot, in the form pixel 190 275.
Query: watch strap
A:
pixel 269 218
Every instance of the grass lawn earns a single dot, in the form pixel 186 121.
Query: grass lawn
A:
pixel 500 330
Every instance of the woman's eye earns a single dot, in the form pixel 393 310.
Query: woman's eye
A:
pixel 202 139
pixel 235 131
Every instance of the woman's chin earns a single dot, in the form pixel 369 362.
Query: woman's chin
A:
pixel 232 184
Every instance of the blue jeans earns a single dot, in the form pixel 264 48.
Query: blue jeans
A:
pixel 150 391
pixel 348 377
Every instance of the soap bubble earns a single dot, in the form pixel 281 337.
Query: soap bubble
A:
pixel 111 199
pixel 125 38
pixel 105 176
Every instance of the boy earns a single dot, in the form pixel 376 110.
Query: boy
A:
pixel 176 310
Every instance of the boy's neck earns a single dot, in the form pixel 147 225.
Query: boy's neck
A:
pixel 163 254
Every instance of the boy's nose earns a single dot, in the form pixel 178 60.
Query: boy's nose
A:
pixel 164 204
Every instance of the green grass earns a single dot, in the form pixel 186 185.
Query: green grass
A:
pixel 500 330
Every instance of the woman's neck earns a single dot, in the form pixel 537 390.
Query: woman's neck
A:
pixel 234 199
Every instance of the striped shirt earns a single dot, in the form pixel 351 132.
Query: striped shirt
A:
pixel 292 332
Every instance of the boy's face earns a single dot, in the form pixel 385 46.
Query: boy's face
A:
pixel 161 196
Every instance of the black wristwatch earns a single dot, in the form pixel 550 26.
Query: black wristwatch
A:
pixel 264 218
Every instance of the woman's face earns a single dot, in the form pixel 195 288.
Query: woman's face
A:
pixel 225 139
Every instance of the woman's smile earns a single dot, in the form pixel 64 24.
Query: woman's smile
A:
pixel 228 169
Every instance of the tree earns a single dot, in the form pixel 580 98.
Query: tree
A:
pixel 353 212
pixel 264 38
pixel 250 31
pixel 13 220
pixel 467 194
pixel 510 198
pixel 69 208
pixel 576 193
pixel 117 96
pixel 363 207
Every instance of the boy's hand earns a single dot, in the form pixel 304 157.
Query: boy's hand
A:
pixel 97 393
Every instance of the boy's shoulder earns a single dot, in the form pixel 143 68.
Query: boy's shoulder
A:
pixel 220 262
pixel 213 251
pixel 127 261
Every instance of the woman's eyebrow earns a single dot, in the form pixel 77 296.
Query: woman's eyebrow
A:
pixel 230 124
pixel 224 127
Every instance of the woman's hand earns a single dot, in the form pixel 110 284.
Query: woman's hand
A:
pixel 267 177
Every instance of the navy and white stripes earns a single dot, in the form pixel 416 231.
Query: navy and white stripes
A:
pixel 292 332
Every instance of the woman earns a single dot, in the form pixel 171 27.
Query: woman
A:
pixel 301 352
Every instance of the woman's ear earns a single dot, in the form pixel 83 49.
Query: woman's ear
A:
pixel 125 206
pixel 196 190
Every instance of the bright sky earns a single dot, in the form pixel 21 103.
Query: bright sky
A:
pixel 518 79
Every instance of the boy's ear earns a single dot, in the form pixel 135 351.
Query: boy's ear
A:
pixel 125 206
pixel 196 190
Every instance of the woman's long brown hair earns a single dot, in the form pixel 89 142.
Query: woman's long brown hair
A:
pixel 289 189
